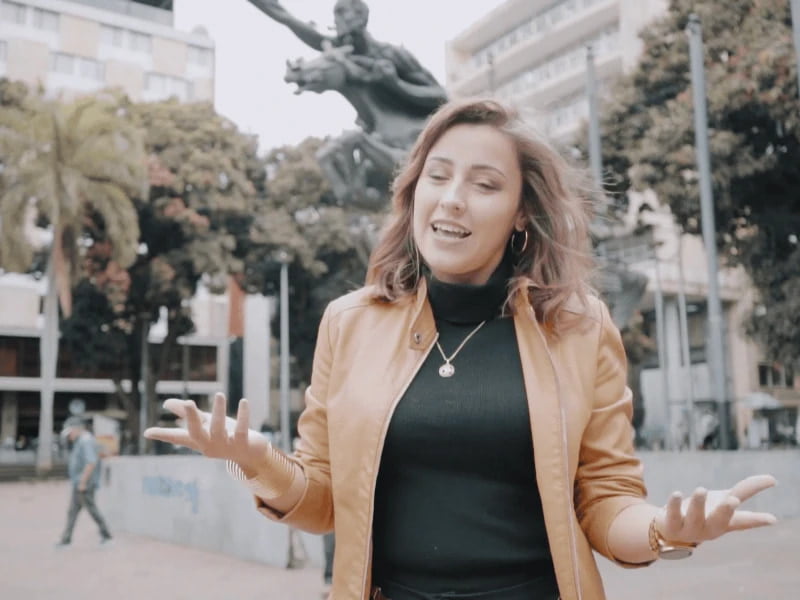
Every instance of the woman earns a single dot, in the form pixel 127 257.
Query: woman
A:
pixel 467 425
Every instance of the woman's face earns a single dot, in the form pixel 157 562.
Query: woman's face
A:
pixel 467 203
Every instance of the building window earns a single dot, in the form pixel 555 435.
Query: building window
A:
pixel 775 375
pixel 112 36
pixel 45 19
pixel 203 57
pixel 19 356
pixel 13 12
pixel 165 86
pixel 139 42
pixel 78 66
pixel 62 63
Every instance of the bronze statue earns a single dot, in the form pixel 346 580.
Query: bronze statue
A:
pixel 392 94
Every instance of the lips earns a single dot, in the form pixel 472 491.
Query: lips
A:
pixel 450 230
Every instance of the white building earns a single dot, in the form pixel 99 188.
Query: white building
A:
pixel 74 46
pixel 533 53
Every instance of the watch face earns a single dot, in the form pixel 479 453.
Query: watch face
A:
pixel 675 553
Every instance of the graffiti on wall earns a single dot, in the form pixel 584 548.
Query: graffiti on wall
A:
pixel 167 487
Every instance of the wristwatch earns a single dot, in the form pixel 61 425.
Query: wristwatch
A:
pixel 667 549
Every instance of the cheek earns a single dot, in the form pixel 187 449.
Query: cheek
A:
pixel 419 214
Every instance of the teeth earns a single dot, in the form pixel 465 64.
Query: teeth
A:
pixel 451 230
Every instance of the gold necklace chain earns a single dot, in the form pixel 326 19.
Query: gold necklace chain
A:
pixel 447 369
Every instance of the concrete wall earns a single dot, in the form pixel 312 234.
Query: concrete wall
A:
pixel 192 501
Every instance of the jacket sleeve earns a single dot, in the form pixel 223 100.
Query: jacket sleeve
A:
pixel 314 511
pixel 609 475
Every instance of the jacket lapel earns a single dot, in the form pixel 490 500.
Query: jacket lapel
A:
pixel 547 428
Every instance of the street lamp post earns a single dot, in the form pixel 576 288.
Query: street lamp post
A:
pixel 286 437
pixel 595 151
pixel 297 554
pixel 144 377
pixel 715 324
pixel 796 29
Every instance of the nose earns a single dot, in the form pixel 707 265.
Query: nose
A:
pixel 452 197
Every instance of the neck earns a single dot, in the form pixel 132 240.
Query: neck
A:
pixel 468 303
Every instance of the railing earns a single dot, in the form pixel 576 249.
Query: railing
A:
pixel 133 9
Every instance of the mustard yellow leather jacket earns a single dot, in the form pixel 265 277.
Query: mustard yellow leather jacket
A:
pixel 366 356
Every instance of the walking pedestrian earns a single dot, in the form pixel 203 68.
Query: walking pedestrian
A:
pixel 468 424
pixel 84 476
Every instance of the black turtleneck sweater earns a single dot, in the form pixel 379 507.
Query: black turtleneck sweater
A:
pixel 457 507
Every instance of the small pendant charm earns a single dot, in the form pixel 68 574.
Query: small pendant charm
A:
pixel 447 370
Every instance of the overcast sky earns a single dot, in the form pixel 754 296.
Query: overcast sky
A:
pixel 252 50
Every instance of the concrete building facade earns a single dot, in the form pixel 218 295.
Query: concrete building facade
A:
pixel 79 46
pixel 534 54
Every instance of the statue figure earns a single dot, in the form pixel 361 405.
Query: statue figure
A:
pixel 392 93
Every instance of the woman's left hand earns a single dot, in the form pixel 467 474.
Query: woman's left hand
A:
pixel 706 515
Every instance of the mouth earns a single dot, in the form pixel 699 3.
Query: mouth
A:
pixel 450 230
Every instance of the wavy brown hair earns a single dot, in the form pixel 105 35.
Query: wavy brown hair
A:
pixel 556 263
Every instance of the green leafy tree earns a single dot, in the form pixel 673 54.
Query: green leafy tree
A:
pixel 754 138
pixel 327 246
pixel 65 164
pixel 194 226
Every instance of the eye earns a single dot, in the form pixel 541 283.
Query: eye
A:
pixel 487 186
pixel 437 175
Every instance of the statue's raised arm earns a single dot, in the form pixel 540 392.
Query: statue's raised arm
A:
pixel 305 31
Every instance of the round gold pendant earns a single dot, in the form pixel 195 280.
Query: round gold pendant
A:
pixel 447 370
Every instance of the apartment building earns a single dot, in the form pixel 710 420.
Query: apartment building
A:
pixel 534 53
pixel 81 46
pixel 73 47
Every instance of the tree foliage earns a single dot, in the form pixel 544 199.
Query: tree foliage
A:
pixel 327 246
pixel 68 165
pixel 193 227
pixel 754 139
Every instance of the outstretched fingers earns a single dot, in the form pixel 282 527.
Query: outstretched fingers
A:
pixel 750 486
pixel 194 424
pixel 242 430
pixel 171 435
pixel 695 518
pixel 745 519
pixel 673 517
pixel 217 429
pixel 719 520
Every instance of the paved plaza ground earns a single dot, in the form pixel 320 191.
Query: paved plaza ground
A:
pixel 756 565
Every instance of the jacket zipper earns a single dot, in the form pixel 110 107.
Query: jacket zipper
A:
pixel 565 449
pixel 378 454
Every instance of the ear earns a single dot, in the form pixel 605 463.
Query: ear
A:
pixel 520 222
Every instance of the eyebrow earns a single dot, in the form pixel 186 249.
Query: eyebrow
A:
pixel 476 167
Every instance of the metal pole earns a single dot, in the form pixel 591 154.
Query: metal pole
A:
pixel 715 324
pixel 595 151
pixel 661 332
pixel 796 29
pixel 286 435
pixel 185 367
pixel 296 552
pixel 143 379
pixel 685 348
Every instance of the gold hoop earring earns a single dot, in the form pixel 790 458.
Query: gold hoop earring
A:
pixel 524 243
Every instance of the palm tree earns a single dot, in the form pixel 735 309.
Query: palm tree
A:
pixel 66 164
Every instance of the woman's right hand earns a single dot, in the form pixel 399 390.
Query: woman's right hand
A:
pixel 214 434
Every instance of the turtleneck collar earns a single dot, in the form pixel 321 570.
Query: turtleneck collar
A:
pixel 465 303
